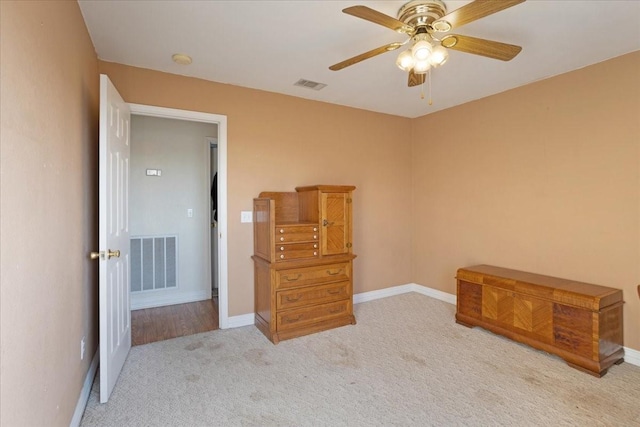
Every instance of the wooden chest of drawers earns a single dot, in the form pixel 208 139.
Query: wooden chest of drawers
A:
pixel 303 261
pixel 580 322
pixel 294 299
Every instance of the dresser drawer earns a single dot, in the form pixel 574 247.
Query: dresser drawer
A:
pixel 296 237
pixel 318 274
pixel 296 229
pixel 305 316
pixel 312 295
pixel 296 233
pixel 287 252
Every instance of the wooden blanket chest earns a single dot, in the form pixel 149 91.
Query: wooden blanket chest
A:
pixel 580 322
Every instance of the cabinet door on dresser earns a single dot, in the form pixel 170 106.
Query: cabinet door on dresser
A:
pixel 336 221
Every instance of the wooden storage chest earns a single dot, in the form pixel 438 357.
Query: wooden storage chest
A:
pixel 580 322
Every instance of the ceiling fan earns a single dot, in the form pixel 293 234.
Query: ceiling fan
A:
pixel 421 20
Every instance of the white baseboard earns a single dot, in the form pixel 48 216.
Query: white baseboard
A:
pixel 382 293
pixel 240 321
pixel 403 289
pixel 160 299
pixel 86 390
pixel 434 293
pixel 632 356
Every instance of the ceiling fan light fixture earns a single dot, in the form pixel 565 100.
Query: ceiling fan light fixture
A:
pixel 439 56
pixel 420 19
pixel 405 61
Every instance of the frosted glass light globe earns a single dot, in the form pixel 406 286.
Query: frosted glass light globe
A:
pixel 439 56
pixel 405 61
pixel 421 67
pixel 421 50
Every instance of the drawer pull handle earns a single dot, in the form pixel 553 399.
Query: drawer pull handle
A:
pixel 282 239
pixel 281 230
pixel 333 291
pixel 330 273
pixel 290 319
pixel 291 299
pixel 288 279
pixel 315 228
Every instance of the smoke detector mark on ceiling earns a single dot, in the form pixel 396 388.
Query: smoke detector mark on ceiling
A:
pixel 309 84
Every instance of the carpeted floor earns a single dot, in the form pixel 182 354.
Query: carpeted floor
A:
pixel 406 362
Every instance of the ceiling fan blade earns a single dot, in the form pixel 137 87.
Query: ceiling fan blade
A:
pixel 363 56
pixel 488 48
pixel 472 12
pixel 415 79
pixel 379 18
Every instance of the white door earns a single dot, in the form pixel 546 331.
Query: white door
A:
pixel 115 312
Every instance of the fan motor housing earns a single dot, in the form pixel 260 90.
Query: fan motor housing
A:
pixel 421 13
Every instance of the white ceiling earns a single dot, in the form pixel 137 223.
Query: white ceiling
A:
pixel 269 45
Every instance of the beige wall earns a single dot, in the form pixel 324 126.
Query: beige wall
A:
pixel 278 142
pixel 544 178
pixel 48 155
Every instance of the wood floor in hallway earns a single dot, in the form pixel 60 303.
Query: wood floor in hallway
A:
pixel 162 323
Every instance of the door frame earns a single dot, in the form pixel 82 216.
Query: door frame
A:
pixel 209 141
pixel 221 121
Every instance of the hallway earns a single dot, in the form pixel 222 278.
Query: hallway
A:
pixel 162 323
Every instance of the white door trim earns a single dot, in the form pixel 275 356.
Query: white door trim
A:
pixel 221 121
pixel 209 142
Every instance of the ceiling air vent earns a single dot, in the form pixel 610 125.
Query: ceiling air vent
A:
pixel 309 84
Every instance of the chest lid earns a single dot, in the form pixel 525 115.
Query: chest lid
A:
pixel 568 292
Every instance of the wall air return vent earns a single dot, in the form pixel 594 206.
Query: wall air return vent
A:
pixel 309 84
pixel 154 263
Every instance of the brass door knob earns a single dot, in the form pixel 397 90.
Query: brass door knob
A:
pixel 107 255
pixel 115 254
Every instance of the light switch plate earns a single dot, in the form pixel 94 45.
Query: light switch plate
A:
pixel 246 216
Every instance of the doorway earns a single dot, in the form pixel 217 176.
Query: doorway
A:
pixel 217 274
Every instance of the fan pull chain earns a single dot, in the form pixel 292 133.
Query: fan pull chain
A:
pixel 422 88
pixel 430 101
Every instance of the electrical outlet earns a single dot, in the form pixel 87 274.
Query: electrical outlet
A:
pixel 189 213
pixel 82 349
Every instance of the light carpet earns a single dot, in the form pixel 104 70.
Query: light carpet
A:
pixel 406 362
